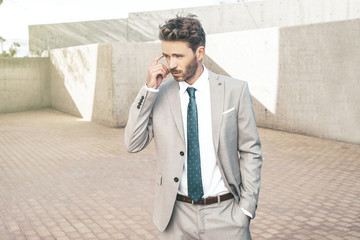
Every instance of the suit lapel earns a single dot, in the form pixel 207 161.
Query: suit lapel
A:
pixel 174 101
pixel 217 102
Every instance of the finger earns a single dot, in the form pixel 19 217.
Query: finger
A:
pixel 159 66
pixel 163 73
pixel 156 60
pixel 163 69
pixel 167 70
pixel 158 72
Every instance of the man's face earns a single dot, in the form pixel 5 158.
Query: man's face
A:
pixel 181 60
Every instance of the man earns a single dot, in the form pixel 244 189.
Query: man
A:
pixel 209 154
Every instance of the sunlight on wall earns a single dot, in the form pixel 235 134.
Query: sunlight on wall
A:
pixel 252 56
pixel 78 65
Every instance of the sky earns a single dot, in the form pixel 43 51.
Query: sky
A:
pixel 16 15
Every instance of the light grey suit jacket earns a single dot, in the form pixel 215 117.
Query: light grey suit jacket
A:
pixel 235 136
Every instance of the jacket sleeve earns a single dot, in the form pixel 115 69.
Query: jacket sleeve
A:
pixel 138 130
pixel 249 147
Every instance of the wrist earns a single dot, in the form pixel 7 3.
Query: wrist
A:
pixel 149 85
pixel 150 89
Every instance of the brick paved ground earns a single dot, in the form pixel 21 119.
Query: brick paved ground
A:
pixel 62 178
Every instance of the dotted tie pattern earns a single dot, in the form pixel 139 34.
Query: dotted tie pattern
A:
pixel 195 188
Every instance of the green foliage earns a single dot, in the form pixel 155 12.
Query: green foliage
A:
pixel 1 42
pixel 4 54
pixel 12 50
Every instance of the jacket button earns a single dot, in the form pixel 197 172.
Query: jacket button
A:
pixel 176 179
pixel 182 153
pixel 138 107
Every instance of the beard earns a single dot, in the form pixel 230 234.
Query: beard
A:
pixel 190 71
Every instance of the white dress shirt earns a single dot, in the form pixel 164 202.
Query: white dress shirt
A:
pixel 213 184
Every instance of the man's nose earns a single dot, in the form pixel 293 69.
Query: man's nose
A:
pixel 173 63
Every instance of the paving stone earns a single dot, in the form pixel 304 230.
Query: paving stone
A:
pixel 62 178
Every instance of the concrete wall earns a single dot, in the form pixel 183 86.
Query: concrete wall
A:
pixel 251 55
pixel 319 81
pixel 98 82
pixel 81 80
pixel 130 64
pixel 143 26
pixel 303 79
pixel 62 35
pixel 24 84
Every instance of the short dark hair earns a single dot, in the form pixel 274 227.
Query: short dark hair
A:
pixel 186 29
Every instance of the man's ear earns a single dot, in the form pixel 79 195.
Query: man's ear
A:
pixel 200 53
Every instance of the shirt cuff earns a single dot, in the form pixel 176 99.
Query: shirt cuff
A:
pixel 247 213
pixel 151 89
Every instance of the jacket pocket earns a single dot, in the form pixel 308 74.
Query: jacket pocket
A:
pixel 230 114
pixel 229 111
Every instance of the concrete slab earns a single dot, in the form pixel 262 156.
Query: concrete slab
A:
pixel 304 79
pixel 220 18
pixel 61 35
pixel 24 84
pixel 81 82
pixel 63 178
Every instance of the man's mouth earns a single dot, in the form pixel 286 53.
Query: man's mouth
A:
pixel 175 72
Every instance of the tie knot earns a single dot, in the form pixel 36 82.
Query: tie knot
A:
pixel 191 92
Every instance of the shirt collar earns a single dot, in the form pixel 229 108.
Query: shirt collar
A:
pixel 200 84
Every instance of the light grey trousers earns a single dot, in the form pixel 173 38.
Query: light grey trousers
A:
pixel 225 220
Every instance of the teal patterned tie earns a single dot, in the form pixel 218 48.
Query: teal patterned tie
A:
pixel 195 188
